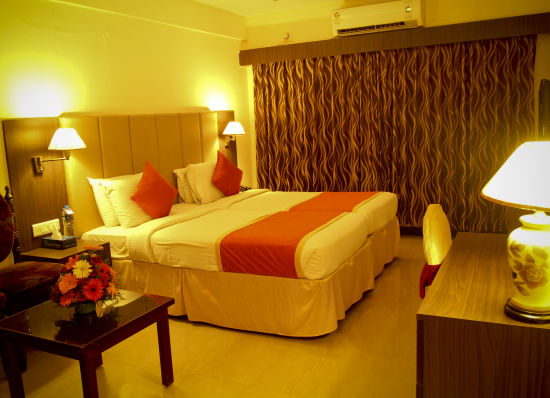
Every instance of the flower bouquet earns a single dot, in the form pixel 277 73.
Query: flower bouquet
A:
pixel 85 283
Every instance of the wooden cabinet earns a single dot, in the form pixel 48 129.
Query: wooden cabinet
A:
pixel 467 346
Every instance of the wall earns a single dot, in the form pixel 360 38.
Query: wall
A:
pixel 60 57
pixel 314 23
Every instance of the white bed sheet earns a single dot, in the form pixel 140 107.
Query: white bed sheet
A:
pixel 192 243
pixel 379 210
pixel 187 237
pixel 118 236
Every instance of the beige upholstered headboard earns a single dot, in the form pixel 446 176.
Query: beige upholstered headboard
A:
pixel 120 144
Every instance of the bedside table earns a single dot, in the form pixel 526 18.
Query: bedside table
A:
pixel 61 256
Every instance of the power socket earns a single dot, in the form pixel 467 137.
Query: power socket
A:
pixel 45 228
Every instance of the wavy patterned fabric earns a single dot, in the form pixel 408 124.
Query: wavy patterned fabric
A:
pixel 431 124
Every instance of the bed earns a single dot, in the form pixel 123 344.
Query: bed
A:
pixel 178 255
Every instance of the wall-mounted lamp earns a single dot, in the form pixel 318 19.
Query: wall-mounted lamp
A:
pixel 232 129
pixel 64 139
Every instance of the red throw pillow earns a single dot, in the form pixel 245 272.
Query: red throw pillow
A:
pixel 154 194
pixel 227 177
pixel 7 229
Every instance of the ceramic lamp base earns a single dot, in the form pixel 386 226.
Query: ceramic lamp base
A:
pixel 523 315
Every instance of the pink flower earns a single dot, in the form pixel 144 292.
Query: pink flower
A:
pixel 93 290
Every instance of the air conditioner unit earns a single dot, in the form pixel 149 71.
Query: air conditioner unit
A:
pixel 377 18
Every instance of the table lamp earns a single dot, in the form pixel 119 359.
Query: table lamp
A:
pixel 524 182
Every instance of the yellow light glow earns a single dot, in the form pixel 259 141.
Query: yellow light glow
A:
pixel 32 96
pixel 216 102
pixel 40 84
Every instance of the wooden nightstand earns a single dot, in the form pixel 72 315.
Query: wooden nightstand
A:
pixel 61 256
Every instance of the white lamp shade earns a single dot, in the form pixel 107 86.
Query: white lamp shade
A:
pixel 523 181
pixel 233 128
pixel 65 139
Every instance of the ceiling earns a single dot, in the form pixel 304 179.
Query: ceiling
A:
pixel 250 8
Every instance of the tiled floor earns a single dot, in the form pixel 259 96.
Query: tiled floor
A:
pixel 372 354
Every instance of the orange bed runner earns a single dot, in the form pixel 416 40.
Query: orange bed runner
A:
pixel 335 201
pixel 270 246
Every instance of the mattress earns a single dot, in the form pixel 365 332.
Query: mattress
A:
pixel 188 236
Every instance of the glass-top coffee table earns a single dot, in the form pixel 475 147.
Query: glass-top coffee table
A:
pixel 48 327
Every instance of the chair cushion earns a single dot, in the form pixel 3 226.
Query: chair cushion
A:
pixel 437 236
pixel 7 229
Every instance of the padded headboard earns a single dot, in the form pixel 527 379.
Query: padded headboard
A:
pixel 120 144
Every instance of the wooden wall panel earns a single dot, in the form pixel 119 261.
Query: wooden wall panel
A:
pixel 143 135
pixel 190 130
pixel 37 198
pixel 116 149
pixel 84 163
pixel 116 145
pixel 169 145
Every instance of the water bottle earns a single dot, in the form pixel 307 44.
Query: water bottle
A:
pixel 68 221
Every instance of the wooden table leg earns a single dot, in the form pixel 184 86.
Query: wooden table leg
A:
pixel 88 364
pixel 13 370
pixel 99 360
pixel 165 353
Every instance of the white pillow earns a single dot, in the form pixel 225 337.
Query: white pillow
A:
pixel 183 186
pixel 119 192
pixel 106 210
pixel 199 177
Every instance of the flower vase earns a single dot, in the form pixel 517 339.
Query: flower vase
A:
pixel 84 308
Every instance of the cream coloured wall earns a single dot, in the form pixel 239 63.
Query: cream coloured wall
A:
pixel 314 23
pixel 57 57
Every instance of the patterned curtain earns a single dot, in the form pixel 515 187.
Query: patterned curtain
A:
pixel 431 124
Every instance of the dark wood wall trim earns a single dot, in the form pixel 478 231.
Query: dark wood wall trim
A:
pixel 427 36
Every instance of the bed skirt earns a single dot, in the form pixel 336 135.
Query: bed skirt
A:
pixel 267 304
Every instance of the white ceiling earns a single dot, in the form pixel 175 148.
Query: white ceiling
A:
pixel 250 8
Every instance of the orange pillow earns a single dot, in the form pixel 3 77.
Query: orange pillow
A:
pixel 154 194
pixel 227 177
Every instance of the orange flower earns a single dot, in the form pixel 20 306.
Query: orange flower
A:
pixel 72 261
pixel 93 290
pixel 67 282
pixel 111 289
pixel 66 299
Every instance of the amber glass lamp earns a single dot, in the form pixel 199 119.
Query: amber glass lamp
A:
pixel 524 182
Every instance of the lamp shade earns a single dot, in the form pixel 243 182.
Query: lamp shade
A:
pixel 233 128
pixel 65 139
pixel 523 181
